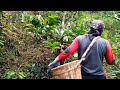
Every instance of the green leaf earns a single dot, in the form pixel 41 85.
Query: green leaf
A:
pixel 9 74
pixel 39 32
pixel 65 38
pixel 52 20
pixel 48 44
pixel 21 75
pixel 67 33
pixel 1 43
pixel 56 43
pixel 51 45
pixel 75 54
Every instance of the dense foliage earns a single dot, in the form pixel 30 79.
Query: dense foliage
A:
pixel 30 40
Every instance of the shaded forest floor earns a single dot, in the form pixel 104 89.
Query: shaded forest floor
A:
pixel 24 51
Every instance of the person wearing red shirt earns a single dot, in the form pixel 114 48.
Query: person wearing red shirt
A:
pixel 92 66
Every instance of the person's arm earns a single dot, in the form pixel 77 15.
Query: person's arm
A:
pixel 70 50
pixel 109 56
pixel 66 53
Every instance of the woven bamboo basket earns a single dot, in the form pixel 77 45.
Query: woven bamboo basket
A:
pixel 67 71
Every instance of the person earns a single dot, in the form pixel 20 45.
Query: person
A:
pixel 92 66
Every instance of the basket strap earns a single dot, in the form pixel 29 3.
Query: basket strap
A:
pixel 89 47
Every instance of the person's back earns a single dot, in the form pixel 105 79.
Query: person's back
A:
pixel 92 67
pixel 92 63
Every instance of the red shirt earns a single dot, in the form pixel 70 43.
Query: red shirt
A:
pixel 109 56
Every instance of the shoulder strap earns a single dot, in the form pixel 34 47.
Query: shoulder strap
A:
pixel 89 47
